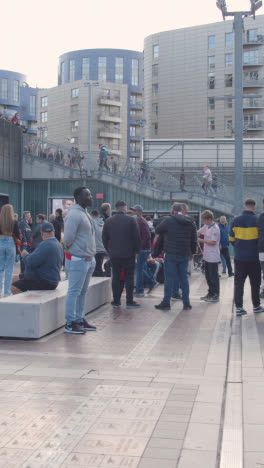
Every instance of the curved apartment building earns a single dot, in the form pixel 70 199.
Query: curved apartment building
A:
pixel 187 70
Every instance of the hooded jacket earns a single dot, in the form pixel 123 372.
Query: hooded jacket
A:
pixel 180 237
pixel 98 226
pixel 79 233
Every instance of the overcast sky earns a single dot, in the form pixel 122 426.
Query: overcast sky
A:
pixel 35 33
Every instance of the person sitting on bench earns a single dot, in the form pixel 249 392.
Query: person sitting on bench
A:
pixel 42 267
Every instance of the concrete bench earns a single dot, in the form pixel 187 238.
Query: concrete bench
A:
pixel 33 314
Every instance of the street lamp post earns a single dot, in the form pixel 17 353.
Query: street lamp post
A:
pixel 238 84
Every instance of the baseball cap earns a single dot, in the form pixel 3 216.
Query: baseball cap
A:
pixel 47 227
pixel 137 207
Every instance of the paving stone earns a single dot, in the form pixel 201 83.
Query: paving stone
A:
pixel 197 459
pixel 206 413
pixel 157 463
pixel 253 437
pixel 201 437
pixel 157 452
pixel 253 459
pixel 156 442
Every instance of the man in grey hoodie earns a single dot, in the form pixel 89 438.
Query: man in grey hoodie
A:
pixel 79 241
pixel 100 250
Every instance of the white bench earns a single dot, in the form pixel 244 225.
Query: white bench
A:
pixel 33 314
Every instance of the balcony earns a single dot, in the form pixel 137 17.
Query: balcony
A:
pixel 135 154
pixel 253 103
pixel 110 117
pixel 135 137
pixel 136 105
pixel 134 121
pixel 253 41
pixel 254 126
pixel 114 149
pixel 253 82
pixel 253 64
pixel 106 132
pixel 110 101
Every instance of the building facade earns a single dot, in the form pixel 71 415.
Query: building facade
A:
pixel 17 96
pixel 186 70
pixel 118 66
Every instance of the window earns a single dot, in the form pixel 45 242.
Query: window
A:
pixel 72 70
pixel 211 61
pixel 106 93
pixel 62 73
pixel 252 75
pixel 133 114
pixel 155 90
pixel 155 51
pixel 4 88
pixel 211 124
pixel 75 93
pixel 211 42
pixel 44 117
pixel 155 70
pixel 132 130
pixel 45 133
pixel 252 35
pixel 134 77
pixel 133 99
pixel 74 140
pixel 117 94
pixel 102 68
pixel 228 123
pixel 16 90
pixel 32 105
pixel 119 64
pixel 229 81
pixel 85 68
pixel 251 121
pixel 154 128
pixel 251 57
pixel 134 147
pixel 44 101
pixel 74 125
pixel 211 80
pixel 229 39
pixel 228 103
pixel 211 103
pixel 155 108
pixel 228 60
pixel 74 108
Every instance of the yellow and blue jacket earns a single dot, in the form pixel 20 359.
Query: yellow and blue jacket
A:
pixel 244 235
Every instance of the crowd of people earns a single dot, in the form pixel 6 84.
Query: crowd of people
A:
pixel 138 253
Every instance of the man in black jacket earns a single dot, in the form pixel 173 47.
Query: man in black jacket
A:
pixel 261 243
pixel 180 241
pixel 122 242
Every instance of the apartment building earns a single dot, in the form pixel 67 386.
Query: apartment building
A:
pixel 187 70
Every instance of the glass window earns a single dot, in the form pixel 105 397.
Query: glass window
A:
pixel 228 60
pixel 155 89
pixel 74 108
pixel 156 51
pixel 211 124
pixel 74 125
pixel 72 70
pixel 229 81
pixel 229 39
pixel 155 128
pixel 211 42
pixel 211 61
pixel 251 57
pixel 228 103
pixel 62 73
pixel 85 68
pixel 132 130
pixel 74 140
pixel 155 70
pixel 32 105
pixel 133 114
pixel 4 88
pixel 16 90
pixel 44 116
pixel 44 101
pixel 228 123
pixel 211 103
pixel 133 99
pixel 211 80
pixel 106 93
pixel 134 78
pixel 75 93
pixel 155 109
pixel 252 35
pixel 102 68
pixel 119 65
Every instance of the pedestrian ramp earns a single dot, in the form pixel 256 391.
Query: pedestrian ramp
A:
pixel 34 314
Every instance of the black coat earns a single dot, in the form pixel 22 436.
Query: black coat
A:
pixel 120 236
pixel 261 233
pixel 180 237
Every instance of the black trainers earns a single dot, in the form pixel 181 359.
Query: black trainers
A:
pixel 214 298
pixel 162 306
pixel 231 274
pixel 133 305
pixel 176 297
pixel 187 306
pixel 258 310
pixel 87 326
pixel 204 298
pixel 240 311
pixel 115 305
pixel 261 295
pixel 153 287
pixel 74 328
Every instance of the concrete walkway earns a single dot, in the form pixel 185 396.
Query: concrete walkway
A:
pixel 149 389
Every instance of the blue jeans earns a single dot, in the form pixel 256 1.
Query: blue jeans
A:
pixel 176 271
pixel 223 263
pixel 149 272
pixel 141 259
pixel 79 275
pixel 7 259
